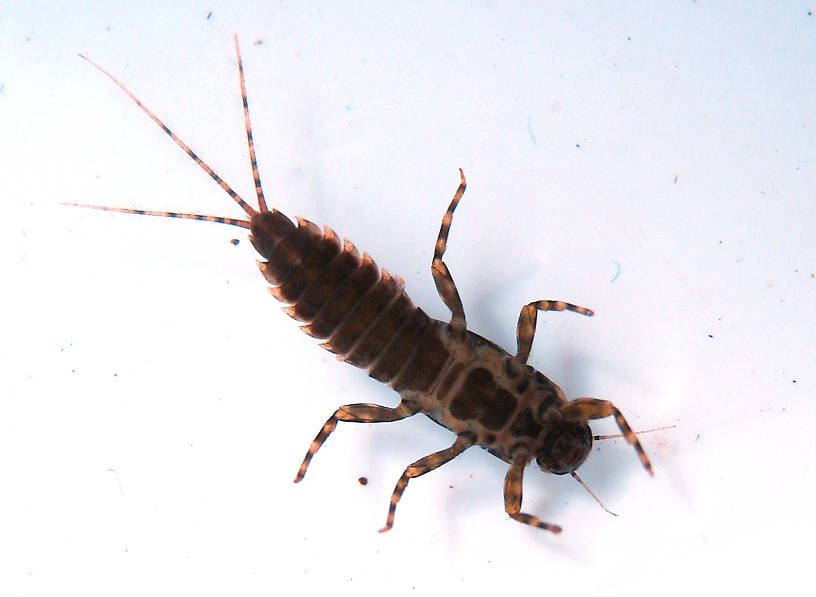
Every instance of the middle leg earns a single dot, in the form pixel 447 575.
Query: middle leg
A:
pixel 525 331
pixel 422 466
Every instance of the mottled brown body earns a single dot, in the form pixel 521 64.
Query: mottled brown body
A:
pixel 479 391
pixel 367 319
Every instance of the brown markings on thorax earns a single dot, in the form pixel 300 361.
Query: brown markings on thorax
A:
pixel 483 390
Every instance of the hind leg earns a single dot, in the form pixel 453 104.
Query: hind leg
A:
pixel 355 413
pixel 525 332
pixel 441 275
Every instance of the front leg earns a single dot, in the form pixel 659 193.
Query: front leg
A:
pixel 582 410
pixel 512 495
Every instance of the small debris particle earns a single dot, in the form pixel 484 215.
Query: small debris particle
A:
pixel 710 336
pixel 209 15
pixel 234 242
pixel 617 273
pixel 697 438
pixel 675 178
pixel 362 481
pixel 530 130
pixel 258 42
pixel 578 145
pixel 794 381
pixel 118 481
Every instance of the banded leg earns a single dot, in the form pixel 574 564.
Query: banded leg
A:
pixel 422 466
pixel 441 275
pixel 355 413
pixel 525 331
pixel 584 409
pixel 512 496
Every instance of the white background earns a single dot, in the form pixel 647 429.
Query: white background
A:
pixel 155 403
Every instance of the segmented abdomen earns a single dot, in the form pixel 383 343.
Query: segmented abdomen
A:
pixel 362 312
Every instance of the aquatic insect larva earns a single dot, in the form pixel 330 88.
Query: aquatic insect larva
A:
pixel 486 396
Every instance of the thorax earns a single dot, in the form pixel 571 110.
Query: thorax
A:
pixel 483 390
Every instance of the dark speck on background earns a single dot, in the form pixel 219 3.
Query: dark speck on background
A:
pixel 362 481
pixel 209 15
pixel 234 242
